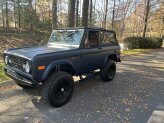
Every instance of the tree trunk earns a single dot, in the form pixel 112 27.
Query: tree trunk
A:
pixel 85 13
pixel 60 17
pixel 122 29
pixel 80 8
pixel 19 18
pixel 31 14
pixel 135 20
pixel 162 28
pixel 30 3
pixel 94 11
pixel 54 14
pixel 113 13
pixel 106 12
pixel 7 14
pixel 71 13
pixel 35 5
pixel 3 20
pixel 15 14
pixel 35 15
pixel 90 16
pixel 77 13
pixel 146 17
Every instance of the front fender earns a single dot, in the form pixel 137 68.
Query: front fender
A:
pixel 52 66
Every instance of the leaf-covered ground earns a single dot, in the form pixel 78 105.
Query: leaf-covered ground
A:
pixel 3 77
pixel 13 38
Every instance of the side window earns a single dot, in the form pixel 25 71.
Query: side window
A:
pixel 93 39
pixel 108 38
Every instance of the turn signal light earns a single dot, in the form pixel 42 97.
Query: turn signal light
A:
pixel 41 67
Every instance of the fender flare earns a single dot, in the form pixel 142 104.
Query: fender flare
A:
pixel 53 64
pixel 110 56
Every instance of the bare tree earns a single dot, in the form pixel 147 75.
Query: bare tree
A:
pixel 71 13
pixel 77 13
pixel 14 13
pixel 146 17
pixel 54 14
pixel 123 10
pixel 162 27
pixel 113 13
pixel 161 18
pixel 7 14
pixel 105 14
pixel 35 12
pixel 30 7
pixel 19 15
pixel 94 12
pixel 85 13
pixel 3 20
pixel 90 14
pixel 134 22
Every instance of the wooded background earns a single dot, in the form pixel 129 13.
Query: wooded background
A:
pixel 126 17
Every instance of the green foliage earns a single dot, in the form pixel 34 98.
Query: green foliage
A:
pixel 3 77
pixel 28 17
pixel 134 51
pixel 44 25
pixel 144 43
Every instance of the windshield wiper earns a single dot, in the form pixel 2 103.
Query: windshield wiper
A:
pixel 72 33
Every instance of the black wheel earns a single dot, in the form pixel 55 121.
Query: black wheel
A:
pixel 23 86
pixel 109 71
pixel 58 89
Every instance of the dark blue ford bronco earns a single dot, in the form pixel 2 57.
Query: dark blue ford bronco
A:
pixel 69 52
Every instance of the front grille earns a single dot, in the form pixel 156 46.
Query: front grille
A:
pixel 17 63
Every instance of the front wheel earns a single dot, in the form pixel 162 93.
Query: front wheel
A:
pixel 109 71
pixel 58 89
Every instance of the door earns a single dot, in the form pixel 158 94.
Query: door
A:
pixel 108 44
pixel 91 53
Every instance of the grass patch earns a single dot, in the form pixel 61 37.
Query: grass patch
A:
pixel 134 51
pixel 3 77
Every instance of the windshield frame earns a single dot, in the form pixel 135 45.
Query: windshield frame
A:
pixel 65 43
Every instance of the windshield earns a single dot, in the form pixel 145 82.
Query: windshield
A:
pixel 72 37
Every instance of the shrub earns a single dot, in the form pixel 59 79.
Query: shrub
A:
pixel 143 43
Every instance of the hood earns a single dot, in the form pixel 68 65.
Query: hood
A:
pixel 31 52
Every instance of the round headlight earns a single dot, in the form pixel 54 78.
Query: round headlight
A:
pixel 27 67
pixel 10 61
pixel 6 59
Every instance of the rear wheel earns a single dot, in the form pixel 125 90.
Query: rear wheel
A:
pixel 58 89
pixel 109 71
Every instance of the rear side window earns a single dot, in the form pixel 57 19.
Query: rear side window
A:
pixel 93 39
pixel 108 38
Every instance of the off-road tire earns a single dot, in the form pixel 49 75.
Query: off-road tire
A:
pixel 108 71
pixel 57 85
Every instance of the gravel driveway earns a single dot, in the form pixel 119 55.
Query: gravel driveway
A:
pixel 135 95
